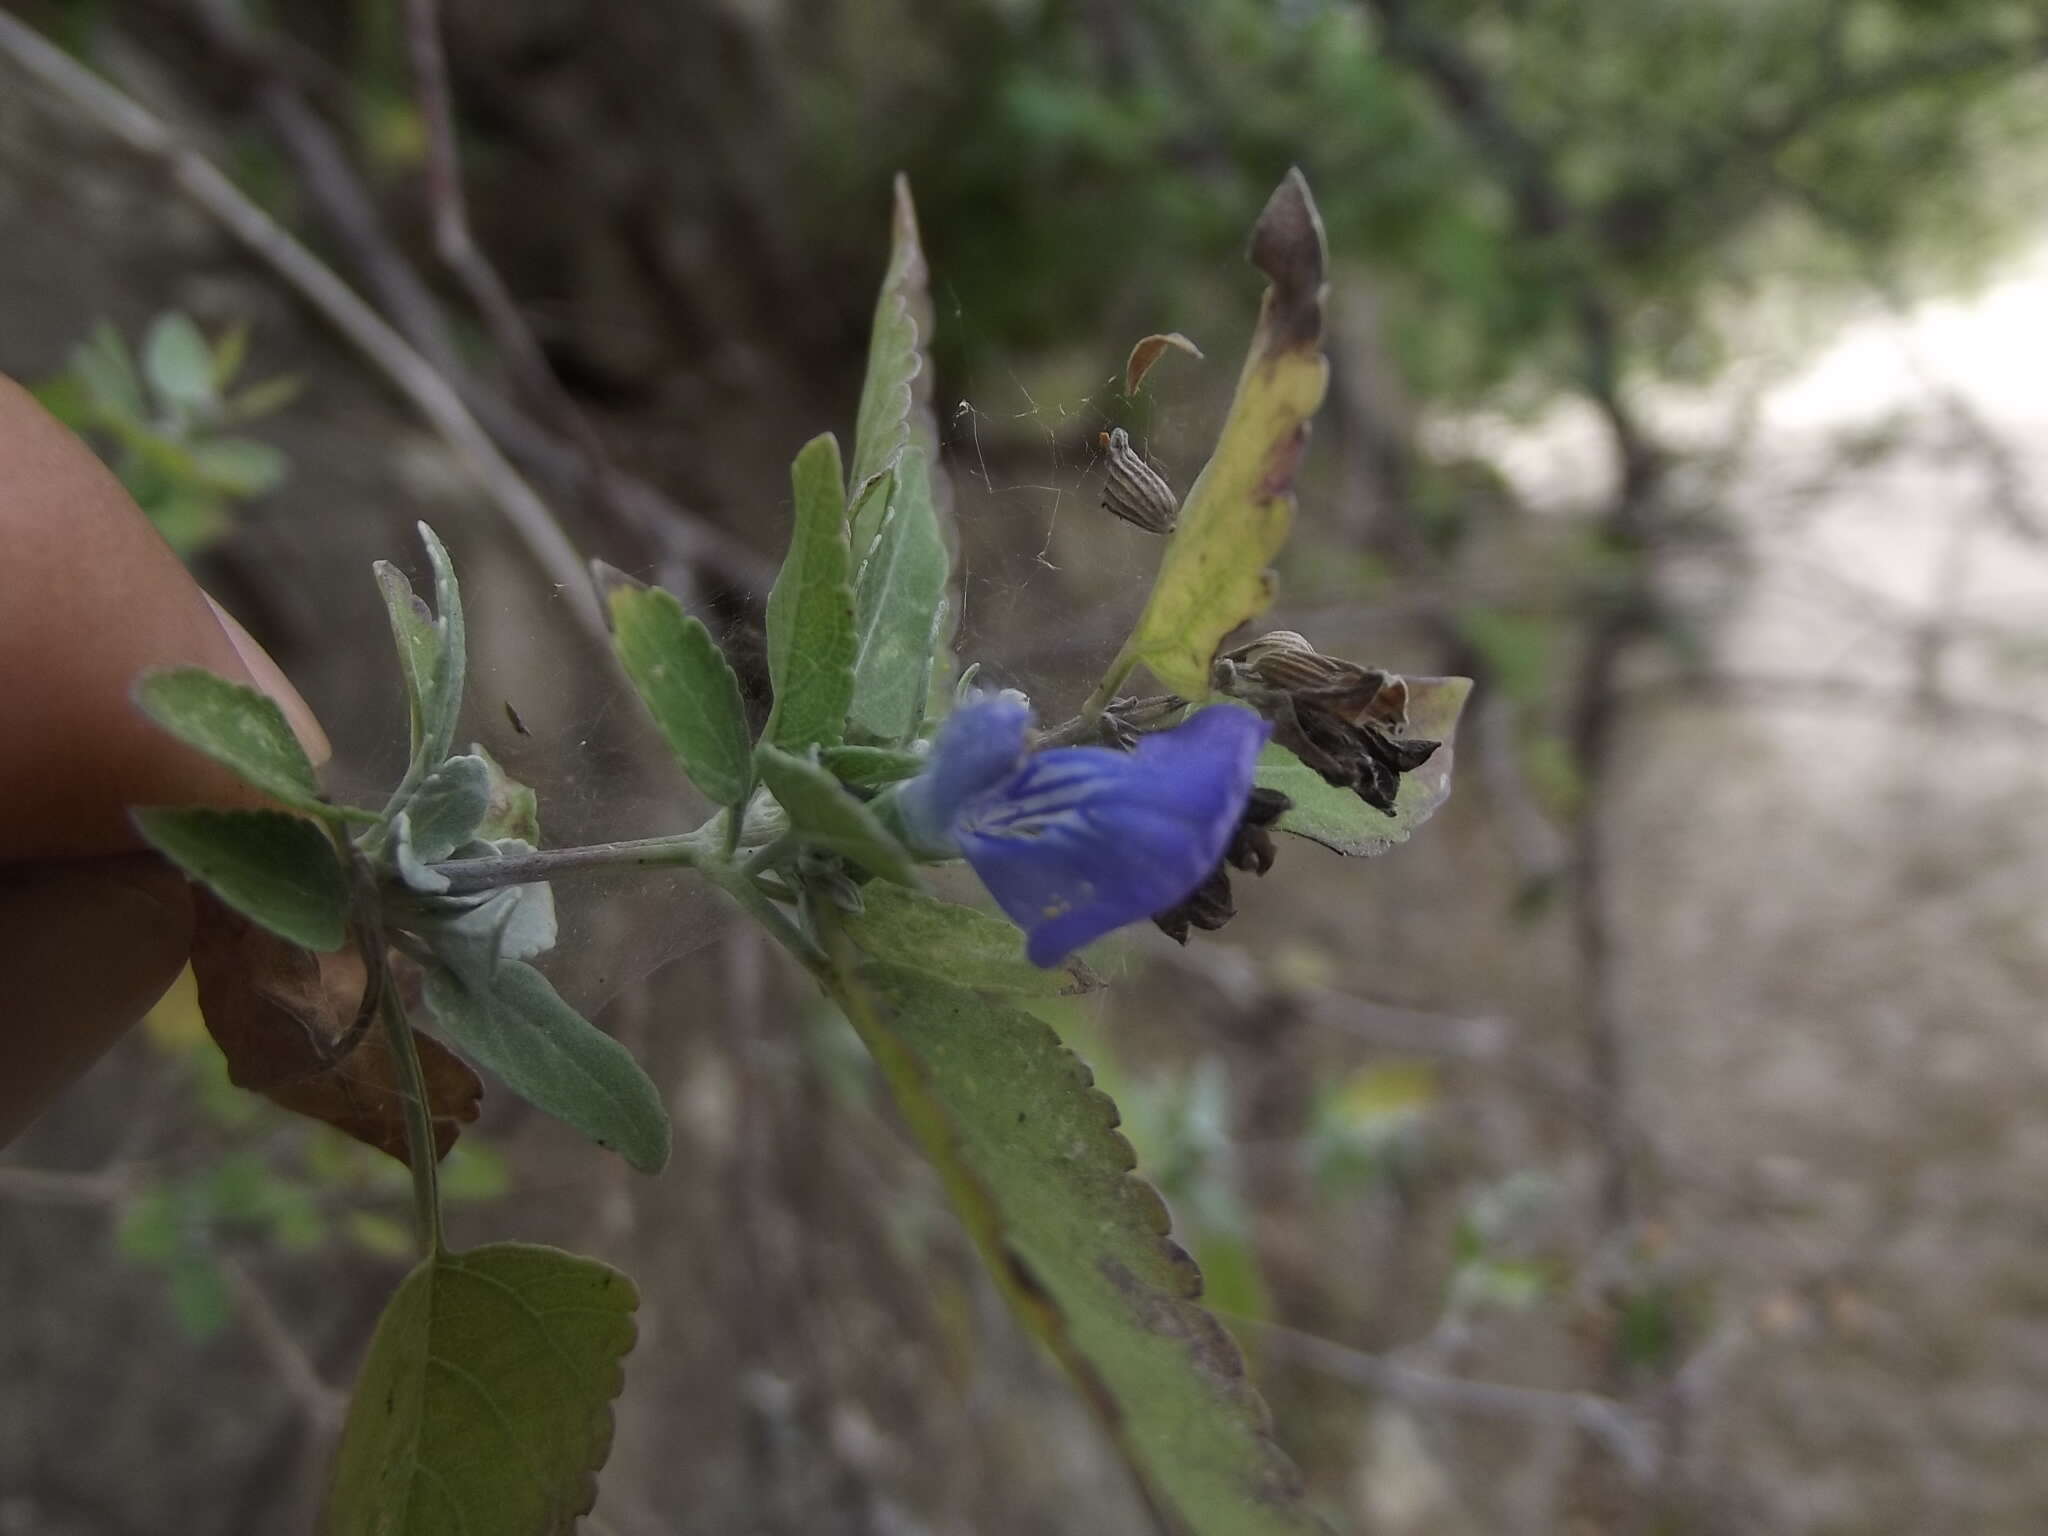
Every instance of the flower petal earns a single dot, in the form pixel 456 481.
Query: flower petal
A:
pixel 980 745
pixel 1082 840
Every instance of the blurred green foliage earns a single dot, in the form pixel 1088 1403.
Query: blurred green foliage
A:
pixel 260 1181
pixel 1106 154
pixel 163 420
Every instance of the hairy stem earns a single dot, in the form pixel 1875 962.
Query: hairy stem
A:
pixel 467 876
pixel 1126 662
pixel 419 1123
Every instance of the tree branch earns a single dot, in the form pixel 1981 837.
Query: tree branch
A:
pixel 1625 1433
pixel 683 540
pixel 429 392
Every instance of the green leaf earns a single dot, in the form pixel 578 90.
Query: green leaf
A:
pixel 1214 574
pixel 449 805
pixel 514 809
pixel 237 727
pixel 276 869
pixel 419 644
pixel 188 520
pixel 897 383
pixel 229 354
pixel 178 361
pixel 240 466
pixel 265 398
pixel 810 612
pixel 1029 1151
pixel 871 767
pixel 475 937
pixel 955 943
pixel 1337 818
pixel 199 1295
pixel 554 1058
pixel 686 684
pixel 106 368
pixel 441 700
pixel 899 607
pixel 485 1404
pixel 825 815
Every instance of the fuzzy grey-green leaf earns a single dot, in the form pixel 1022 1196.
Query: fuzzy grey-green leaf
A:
pixel 810 611
pixel 449 805
pixel 236 726
pixel 554 1058
pixel 823 813
pixel 178 361
pixel 687 686
pixel 274 868
pixel 897 380
pixel 898 609
pixel 418 640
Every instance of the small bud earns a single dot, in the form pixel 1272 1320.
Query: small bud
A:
pixel 1134 490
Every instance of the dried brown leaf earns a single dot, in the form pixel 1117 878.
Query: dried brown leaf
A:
pixel 1149 351
pixel 283 1017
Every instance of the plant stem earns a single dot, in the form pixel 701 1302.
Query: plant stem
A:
pixel 419 1124
pixel 786 933
pixel 765 858
pixel 466 876
pixel 1120 669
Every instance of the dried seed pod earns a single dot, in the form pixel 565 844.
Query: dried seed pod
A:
pixel 1347 722
pixel 1134 490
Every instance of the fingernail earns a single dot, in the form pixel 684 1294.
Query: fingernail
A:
pixel 267 676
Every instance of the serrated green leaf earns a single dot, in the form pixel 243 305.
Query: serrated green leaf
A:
pixel 237 727
pixel 897 379
pixel 240 466
pixel 276 869
pixel 955 943
pixel 898 609
pixel 1029 1151
pixel 825 815
pixel 871 767
pixel 1337 818
pixel 688 687
pixel 1214 576
pixel 554 1058
pixel 485 1403
pixel 178 362
pixel 810 611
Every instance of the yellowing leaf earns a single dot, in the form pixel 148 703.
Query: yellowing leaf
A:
pixel 1214 576
pixel 1148 351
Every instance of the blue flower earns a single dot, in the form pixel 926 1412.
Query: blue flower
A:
pixel 1076 841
